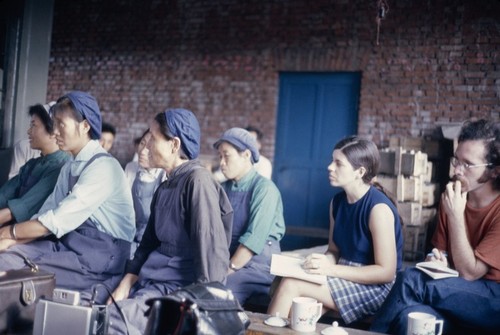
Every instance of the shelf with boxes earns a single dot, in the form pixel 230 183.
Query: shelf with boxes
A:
pixel 408 172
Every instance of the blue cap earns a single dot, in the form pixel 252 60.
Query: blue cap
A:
pixel 241 140
pixel 87 106
pixel 183 124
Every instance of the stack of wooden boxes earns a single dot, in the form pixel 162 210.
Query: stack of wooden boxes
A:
pixel 407 173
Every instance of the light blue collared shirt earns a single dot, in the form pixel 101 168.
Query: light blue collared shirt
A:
pixel 102 194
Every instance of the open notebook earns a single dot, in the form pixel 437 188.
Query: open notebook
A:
pixel 287 266
pixel 436 270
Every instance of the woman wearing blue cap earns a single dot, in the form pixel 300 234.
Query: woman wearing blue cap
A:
pixel 186 239
pixel 258 223
pixel 89 215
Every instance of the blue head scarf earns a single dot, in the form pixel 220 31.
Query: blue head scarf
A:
pixel 87 106
pixel 183 124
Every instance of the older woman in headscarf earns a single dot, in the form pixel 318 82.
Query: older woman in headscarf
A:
pixel 89 216
pixel 189 230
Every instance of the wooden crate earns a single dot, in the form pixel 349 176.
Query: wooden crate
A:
pixel 389 183
pixel 408 143
pixel 428 214
pixel 410 212
pixel 431 147
pixel 430 194
pixel 403 188
pixel 413 163
pixel 414 242
pixel 409 189
pixel 397 161
pixel 388 162
pixel 429 172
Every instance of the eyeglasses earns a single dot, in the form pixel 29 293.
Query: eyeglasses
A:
pixel 456 163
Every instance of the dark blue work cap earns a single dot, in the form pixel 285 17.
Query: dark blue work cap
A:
pixel 241 139
pixel 183 124
pixel 87 106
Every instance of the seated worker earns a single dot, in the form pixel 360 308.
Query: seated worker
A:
pixel 468 231
pixel 263 166
pixel 365 241
pixel 258 223
pixel 108 134
pixel 21 154
pixel 22 196
pixel 188 233
pixel 89 213
pixel 132 166
pixel 146 182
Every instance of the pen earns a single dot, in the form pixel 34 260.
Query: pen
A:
pixel 444 253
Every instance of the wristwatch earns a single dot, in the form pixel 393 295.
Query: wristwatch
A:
pixel 233 267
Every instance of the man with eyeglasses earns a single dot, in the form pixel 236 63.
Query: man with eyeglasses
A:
pixel 467 238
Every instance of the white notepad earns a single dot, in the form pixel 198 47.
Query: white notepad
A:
pixel 436 270
pixel 287 266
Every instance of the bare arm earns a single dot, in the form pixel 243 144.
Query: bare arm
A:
pixel 241 256
pixel 123 289
pixel 466 263
pixel 383 235
pixel 332 252
pixel 5 215
pixel 24 232
pixel 31 229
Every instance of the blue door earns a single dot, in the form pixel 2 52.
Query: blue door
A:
pixel 315 110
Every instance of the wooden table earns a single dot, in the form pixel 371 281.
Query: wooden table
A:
pixel 258 327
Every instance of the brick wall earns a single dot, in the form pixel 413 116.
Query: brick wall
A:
pixel 437 61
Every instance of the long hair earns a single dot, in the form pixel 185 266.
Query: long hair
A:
pixel 364 153
pixel 361 153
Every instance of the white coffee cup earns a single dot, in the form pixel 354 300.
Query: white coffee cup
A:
pixel 423 324
pixel 305 313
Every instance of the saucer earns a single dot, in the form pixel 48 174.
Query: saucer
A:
pixel 276 321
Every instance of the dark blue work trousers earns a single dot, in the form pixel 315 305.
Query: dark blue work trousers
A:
pixel 467 307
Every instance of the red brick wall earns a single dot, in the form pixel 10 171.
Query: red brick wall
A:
pixel 437 61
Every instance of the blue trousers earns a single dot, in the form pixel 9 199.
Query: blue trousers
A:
pixel 467 307
pixel 159 276
pixel 71 270
pixel 254 277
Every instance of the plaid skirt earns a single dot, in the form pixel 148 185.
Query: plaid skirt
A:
pixel 356 301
